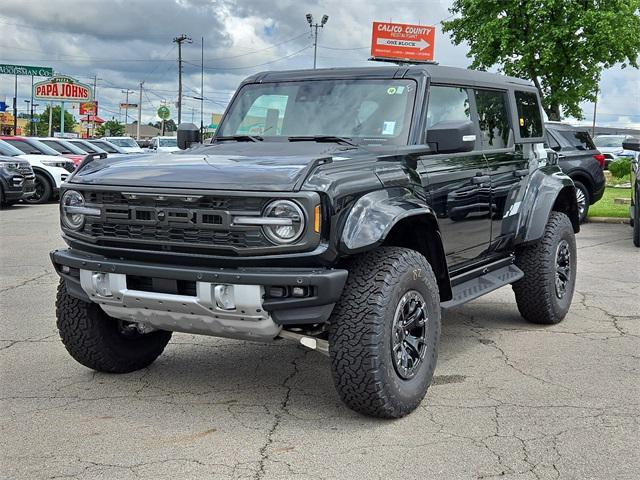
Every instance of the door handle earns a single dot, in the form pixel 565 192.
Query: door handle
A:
pixel 521 173
pixel 480 179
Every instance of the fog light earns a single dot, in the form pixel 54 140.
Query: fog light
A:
pixel 224 296
pixel 65 269
pixel 101 284
pixel 299 291
pixel 277 292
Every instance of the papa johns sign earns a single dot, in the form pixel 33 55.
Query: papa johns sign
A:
pixel 62 89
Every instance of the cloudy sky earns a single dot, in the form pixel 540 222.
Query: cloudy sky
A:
pixel 126 42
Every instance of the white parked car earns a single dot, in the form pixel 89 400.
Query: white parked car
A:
pixel 50 171
pixel 164 144
pixel 128 144
pixel 611 147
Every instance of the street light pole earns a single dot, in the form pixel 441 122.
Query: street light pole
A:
pixel 139 112
pixel 315 27
pixel 180 40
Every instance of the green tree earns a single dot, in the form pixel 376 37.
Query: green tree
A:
pixel 560 45
pixel 42 127
pixel 115 128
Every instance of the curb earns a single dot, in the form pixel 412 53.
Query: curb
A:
pixel 609 220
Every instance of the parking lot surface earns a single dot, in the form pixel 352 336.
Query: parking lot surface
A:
pixel 509 399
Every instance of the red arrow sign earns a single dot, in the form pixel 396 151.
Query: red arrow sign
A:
pixel 402 41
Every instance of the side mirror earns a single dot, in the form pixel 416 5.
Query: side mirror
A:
pixel 451 137
pixel 188 133
pixel 631 143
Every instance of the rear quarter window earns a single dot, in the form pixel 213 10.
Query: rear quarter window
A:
pixel 578 139
pixel 529 117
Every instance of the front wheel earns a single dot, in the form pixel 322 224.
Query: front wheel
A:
pixel 545 292
pixel 101 342
pixel 384 333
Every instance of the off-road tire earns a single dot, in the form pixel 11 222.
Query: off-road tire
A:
pixel 582 217
pixel 47 191
pixel 94 339
pixel 536 292
pixel 360 334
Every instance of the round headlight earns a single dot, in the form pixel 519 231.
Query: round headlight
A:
pixel 68 203
pixel 288 222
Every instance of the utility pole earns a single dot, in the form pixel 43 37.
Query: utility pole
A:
pixel 180 40
pixel 95 102
pixel 315 27
pixel 126 108
pixel 31 132
pixel 139 112
pixel 595 109
pixel 202 90
pixel 49 133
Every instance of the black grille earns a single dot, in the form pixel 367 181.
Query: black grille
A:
pixel 25 169
pixel 174 223
pixel 69 167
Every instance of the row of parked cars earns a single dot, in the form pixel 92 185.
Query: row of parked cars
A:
pixel 32 169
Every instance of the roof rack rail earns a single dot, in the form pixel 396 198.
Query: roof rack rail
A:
pixel 403 61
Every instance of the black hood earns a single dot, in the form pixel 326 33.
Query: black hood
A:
pixel 271 166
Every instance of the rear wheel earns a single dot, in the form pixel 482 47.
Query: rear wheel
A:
pixel 101 342
pixel 384 333
pixel 544 293
pixel 583 198
pixel 43 190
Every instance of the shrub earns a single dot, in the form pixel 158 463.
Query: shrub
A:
pixel 620 167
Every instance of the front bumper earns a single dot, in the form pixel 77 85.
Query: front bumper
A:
pixel 156 282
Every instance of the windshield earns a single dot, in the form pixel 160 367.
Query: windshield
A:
pixel 104 145
pixel 25 147
pixel 9 150
pixel 86 146
pixel 123 142
pixel 168 142
pixel 612 141
pixel 366 111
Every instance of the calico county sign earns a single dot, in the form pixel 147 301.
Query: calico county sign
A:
pixel 400 41
pixel 62 89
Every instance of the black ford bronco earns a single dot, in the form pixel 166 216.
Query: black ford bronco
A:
pixel 343 209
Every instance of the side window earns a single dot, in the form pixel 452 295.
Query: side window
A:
pixel 447 104
pixel 493 118
pixel 264 117
pixel 529 119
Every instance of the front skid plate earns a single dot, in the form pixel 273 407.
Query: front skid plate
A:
pixel 198 314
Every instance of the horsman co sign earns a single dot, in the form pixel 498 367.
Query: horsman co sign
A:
pixel 62 89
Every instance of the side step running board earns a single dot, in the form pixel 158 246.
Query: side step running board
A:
pixel 478 286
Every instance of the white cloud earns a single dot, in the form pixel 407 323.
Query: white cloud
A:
pixel 124 42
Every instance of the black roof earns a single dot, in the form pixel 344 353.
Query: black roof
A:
pixel 437 73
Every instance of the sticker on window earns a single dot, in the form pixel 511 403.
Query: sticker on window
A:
pixel 399 90
pixel 388 128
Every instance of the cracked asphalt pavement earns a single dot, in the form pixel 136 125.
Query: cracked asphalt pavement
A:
pixel 509 400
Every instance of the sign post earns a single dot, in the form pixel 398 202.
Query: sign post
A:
pixel 402 42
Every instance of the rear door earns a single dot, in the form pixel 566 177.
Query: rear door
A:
pixel 457 184
pixel 507 165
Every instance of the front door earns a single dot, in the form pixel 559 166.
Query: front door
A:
pixel 457 184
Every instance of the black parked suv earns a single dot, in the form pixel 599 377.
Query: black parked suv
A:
pixel 633 144
pixel 16 180
pixel 341 209
pixel 580 160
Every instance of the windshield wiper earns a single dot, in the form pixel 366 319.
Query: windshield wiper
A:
pixel 240 138
pixel 323 138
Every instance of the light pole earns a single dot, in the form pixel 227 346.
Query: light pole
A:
pixel 30 108
pixel 315 27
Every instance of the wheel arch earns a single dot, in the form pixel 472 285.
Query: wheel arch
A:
pixel 47 175
pixel 396 217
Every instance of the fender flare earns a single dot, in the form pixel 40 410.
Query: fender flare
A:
pixel 373 216
pixel 549 189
